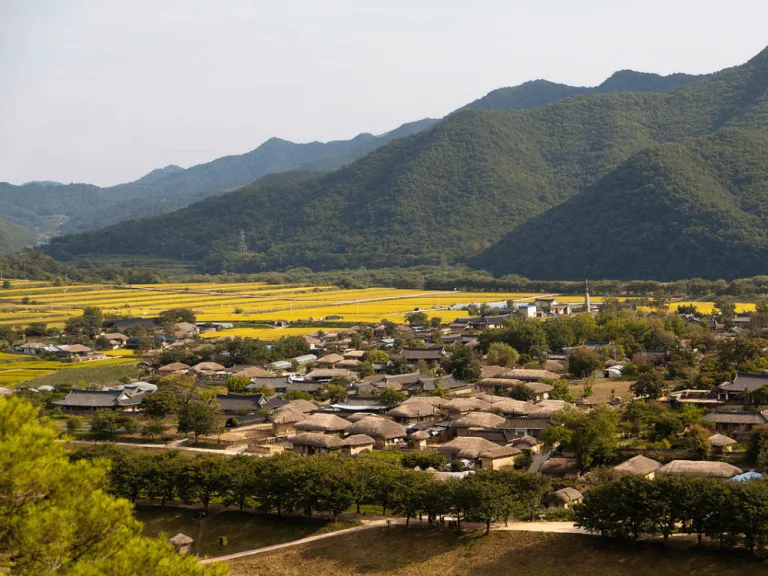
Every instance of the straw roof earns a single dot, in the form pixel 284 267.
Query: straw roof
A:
pixel 317 440
pixel 251 372
pixel 524 442
pixel 478 420
pixel 559 467
pixel 554 366
pixel 465 405
pixel 174 367
pixel 287 416
pixel 720 440
pixel 501 452
pixel 512 406
pixel 359 440
pixel 469 447
pixel 699 468
pixel 433 400
pixel 329 373
pixel 527 374
pixel 566 496
pixel 330 359
pixel 420 435
pixel 638 465
pixel 180 540
pixel 378 428
pixel 539 387
pixel 207 367
pixel 349 363
pixel 492 371
pixel 357 416
pixel 499 382
pixel 320 422
pixel 546 408
pixel 300 405
pixel 413 410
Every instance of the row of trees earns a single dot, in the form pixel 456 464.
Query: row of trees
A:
pixel 289 482
pixel 729 512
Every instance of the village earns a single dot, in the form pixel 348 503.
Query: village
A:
pixel 576 395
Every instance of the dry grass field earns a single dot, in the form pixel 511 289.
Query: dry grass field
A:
pixel 423 552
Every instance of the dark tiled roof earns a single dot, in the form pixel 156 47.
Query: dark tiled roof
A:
pixel 99 399
pixel 236 402
pixel 422 353
pixel 273 383
pixel 737 417
pixel 745 381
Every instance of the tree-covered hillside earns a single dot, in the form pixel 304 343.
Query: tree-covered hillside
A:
pixel 446 194
pixel 691 209
pixel 52 208
pixel 14 238
pixel 538 93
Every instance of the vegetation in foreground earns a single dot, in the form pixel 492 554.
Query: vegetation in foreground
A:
pixel 56 517
pixel 424 552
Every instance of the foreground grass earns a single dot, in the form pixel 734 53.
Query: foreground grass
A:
pixel 424 552
pixel 244 531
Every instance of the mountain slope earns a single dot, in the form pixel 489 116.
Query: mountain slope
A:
pixel 13 238
pixel 442 195
pixel 54 208
pixel 691 209
pixel 543 92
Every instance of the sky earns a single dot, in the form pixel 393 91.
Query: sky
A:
pixel 103 91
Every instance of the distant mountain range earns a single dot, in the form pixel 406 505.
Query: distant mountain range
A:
pixel 615 185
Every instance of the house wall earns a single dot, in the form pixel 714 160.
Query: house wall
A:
pixel 283 429
pixel 359 449
pixel 497 463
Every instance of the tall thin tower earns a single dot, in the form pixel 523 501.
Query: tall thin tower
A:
pixel 242 246
pixel 587 305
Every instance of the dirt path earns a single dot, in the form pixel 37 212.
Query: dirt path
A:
pixel 551 527
pixel 308 539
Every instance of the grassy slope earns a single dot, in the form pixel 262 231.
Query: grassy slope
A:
pixel 244 531
pixel 104 374
pixel 424 553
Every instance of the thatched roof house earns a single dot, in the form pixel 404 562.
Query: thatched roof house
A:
pixel 287 416
pixel 530 375
pixel 720 441
pixel 358 440
pixel 330 359
pixel 564 498
pixel 478 420
pixel 357 416
pixel 546 408
pixel 560 468
pixel 512 407
pixel 467 447
pixel 326 374
pixel 320 422
pixel 173 367
pixel 639 465
pixel 380 429
pixel 413 411
pixel 699 468
pixel 314 443
pixel 207 368
pixel 433 400
pixel 419 435
pixel 500 452
pixel 463 405
pixel 300 405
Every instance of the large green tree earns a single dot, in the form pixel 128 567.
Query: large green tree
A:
pixel 57 518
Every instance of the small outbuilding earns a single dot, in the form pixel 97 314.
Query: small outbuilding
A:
pixel 358 443
pixel 182 543
pixel 721 443
pixel 564 498
pixel 700 468
pixel 638 465
pixel 312 443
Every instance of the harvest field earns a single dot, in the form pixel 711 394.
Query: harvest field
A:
pixel 17 368
pixel 238 302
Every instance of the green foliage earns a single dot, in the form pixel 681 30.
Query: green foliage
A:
pixel 649 385
pixel 176 315
pixel 417 319
pixel 237 384
pixel 591 436
pixel 521 392
pixel 391 397
pixel 298 395
pixel 197 418
pixel 423 460
pixel 561 390
pixel 584 362
pixel 501 354
pixel 464 364
pixel 160 404
pixel 89 324
pixel 57 518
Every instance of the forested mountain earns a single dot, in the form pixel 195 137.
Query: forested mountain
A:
pixel 691 209
pixel 538 93
pixel 447 194
pixel 53 208
pixel 13 237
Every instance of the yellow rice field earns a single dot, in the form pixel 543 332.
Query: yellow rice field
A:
pixel 16 368
pixel 238 302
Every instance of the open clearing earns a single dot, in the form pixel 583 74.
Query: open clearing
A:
pixel 424 552
pixel 243 530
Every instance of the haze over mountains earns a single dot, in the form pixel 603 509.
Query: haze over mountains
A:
pixel 507 183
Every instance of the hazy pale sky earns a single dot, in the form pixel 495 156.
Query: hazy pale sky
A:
pixel 103 91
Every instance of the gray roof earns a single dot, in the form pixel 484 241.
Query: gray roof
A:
pixel 99 399
pixel 273 383
pixel 422 353
pixel 746 382
pixel 240 402
pixel 525 423
pixel 740 417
